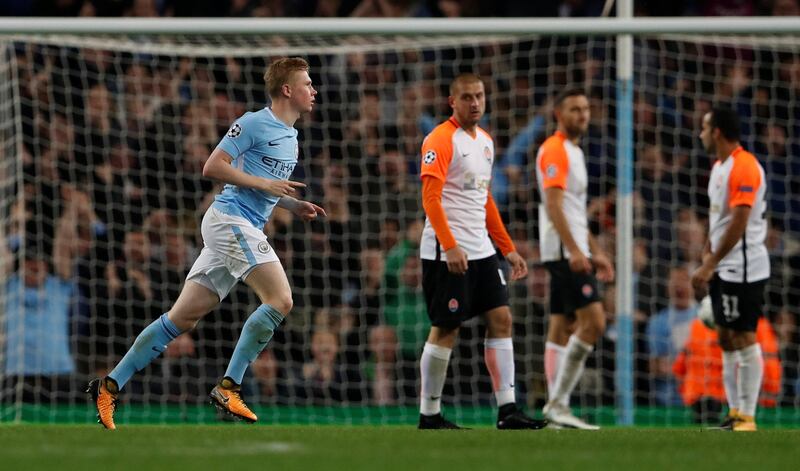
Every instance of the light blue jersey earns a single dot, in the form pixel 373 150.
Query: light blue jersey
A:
pixel 264 146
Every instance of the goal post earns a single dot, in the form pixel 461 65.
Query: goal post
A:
pixel 124 111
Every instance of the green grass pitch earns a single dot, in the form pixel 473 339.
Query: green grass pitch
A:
pixel 243 447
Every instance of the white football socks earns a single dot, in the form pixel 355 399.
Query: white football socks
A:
pixel 553 356
pixel 730 362
pixel 570 369
pixel 751 372
pixel 433 369
pixel 499 357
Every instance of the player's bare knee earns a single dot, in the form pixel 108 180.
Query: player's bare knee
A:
pixel 185 320
pixel 559 328
pixel 590 330
pixel 500 324
pixel 443 336
pixel 283 302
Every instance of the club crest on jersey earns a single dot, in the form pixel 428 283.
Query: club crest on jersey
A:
pixel 452 305
pixel 235 131
pixel 487 153
pixel 587 290
pixel 263 247
pixel 552 171
pixel 429 157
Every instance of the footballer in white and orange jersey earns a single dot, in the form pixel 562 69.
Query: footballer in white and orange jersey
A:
pixel 571 255
pixel 735 262
pixel 461 273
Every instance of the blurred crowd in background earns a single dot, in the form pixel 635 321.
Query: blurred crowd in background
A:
pixel 388 8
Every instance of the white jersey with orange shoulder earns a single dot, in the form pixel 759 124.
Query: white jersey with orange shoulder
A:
pixel 736 181
pixel 464 163
pixel 561 164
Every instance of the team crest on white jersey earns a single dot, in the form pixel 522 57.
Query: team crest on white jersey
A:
pixel 429 157
pixel 487 153
pixel 235 131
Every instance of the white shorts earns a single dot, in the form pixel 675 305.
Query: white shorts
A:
pixel 232 247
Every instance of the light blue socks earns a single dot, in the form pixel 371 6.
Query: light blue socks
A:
pixel 256 334
pixel 148 345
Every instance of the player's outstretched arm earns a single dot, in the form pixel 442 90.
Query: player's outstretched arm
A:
pixel 305 210
pixel 218 166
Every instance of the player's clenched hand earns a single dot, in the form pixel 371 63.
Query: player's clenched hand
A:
pixel 281 188
pixel 457 261
pixel 519 269
pixel 308 211
pixel 605 269
pixel 579 263
pixel 702 276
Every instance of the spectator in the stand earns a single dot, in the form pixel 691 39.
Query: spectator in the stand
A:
pixel 114 181
pixel 266 370
pixel 383 366
pixel 785 8
pixel 691 234
pixel 508 172
pixel 404 310
pixel 778 151
pixel 698 368
pixel 655 185
pixel 667 332
pixel 100 130
pixel 130 302
pixel 389 234
pixel 372 264
pixel 788 334
pixel 340 232
pixel 38 301
pixel 398 194
pixel 726 8
pixel 323 379
pixel 143 8
pixel 390 8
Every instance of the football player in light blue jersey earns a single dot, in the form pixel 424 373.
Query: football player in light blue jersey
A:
pixel 255 160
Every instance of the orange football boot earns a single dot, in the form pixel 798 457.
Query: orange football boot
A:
pixel 104 401
pixel 229 400
pixel 746 423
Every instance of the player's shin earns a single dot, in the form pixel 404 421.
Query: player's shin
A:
pixel 256 334
pixel 730 363
pixel 150 343
pixel 751 372
pixel 553 356
pixel 571 368
pixel 499 357
pixel 433 369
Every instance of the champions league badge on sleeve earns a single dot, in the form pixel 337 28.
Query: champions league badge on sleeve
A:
pixel 235 131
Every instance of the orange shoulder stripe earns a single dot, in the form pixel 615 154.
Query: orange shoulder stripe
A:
pixel 554 163
pixel 744 179
pixel 437 151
